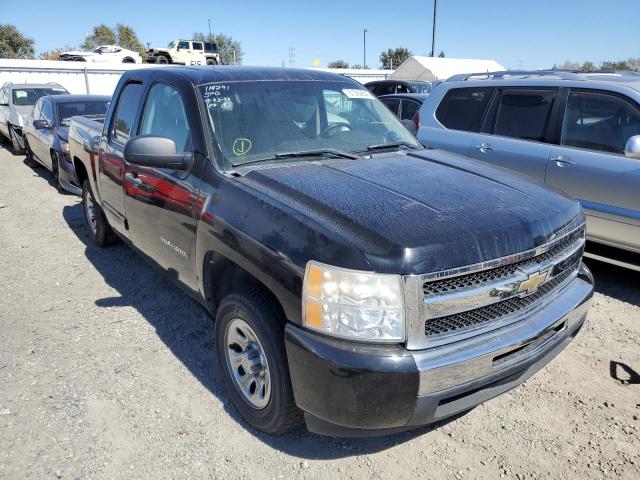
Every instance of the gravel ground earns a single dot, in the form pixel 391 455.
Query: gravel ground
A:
pixel 108 371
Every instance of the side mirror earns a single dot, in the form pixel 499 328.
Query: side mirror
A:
pixel 156 152
pixel 632 147
pixel 40 124
pixel 409 125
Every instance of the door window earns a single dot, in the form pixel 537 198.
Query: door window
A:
pixel 599 121
pixel 524 114
pixel 183 46
pixel 36 110
pixel 392 103
pixel 463 108
pixel 47 112
pixel 165 116
pixel 197 45
pixel 409 109
pixel 126 112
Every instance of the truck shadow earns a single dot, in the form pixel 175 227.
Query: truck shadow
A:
pixel 616 282
pixel 186 328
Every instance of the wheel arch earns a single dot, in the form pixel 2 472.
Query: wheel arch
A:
pixel 233 278
pixel 81 171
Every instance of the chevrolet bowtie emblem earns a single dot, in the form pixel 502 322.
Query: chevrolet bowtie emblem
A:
pixel 534 281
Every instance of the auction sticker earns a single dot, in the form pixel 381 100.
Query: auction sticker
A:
pixel 356 93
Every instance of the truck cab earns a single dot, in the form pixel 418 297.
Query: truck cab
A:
pixel 358 282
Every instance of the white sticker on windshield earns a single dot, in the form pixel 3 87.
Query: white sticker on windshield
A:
pixel 356 93
pixel 21 94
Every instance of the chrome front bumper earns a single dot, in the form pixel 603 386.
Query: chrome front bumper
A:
pixel 476 357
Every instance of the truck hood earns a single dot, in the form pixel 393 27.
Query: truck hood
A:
pixel 420 212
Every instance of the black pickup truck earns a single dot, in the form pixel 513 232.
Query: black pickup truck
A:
pixel 357 280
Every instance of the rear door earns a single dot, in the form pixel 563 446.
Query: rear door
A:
pixel 162 204
pixel 590 165
pixel 111 154
pixel 457 117
pixel 517 129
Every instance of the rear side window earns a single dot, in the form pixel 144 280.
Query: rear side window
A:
pixel 126 112
pixel 599 121
pixel 524 114
pixel 409 109
pixel 392 103
pixel 197 45
pixel 463 108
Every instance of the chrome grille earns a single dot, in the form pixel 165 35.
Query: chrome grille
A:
pixel 450 305
pixel 496 311
pixel 450 285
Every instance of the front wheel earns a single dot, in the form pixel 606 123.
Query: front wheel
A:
pixel 100 231
pixel 30 161
pixel 55 167
pixel 162 59
pixel 252 359
pixel 15 146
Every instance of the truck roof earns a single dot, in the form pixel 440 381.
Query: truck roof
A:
pixel 201 75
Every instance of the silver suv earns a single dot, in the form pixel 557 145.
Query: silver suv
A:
pixel 578 132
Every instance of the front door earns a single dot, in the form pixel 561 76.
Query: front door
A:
pixel 590 165
pixel 162 204
pixel 111 153
pixel 516 131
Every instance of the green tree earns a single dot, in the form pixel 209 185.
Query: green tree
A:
pixel 441 54
pixel 102 35
pixel 587 66
pixel 615 65
pixel 128 39
pixel 338 64
pixel 14 44
pixel 392 58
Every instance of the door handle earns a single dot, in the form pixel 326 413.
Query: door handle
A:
pixel 563 161
pixel 485 147
pixel 133 179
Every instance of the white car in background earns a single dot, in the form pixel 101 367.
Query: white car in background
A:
pixel 104 53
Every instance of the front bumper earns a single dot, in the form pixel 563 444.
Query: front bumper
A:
pixel 353 389
pixel 67 173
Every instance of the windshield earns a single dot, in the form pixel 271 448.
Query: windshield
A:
pixel 68 109
pixel 29 96
pixel 171 45
pixel 420 87
pixel 258 121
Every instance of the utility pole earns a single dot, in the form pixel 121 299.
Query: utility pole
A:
pixel 209 29
pixel 433 31
pixel 364 48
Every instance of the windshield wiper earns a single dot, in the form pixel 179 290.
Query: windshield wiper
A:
pixel 302 153
pixel 385 146
pixel 323 152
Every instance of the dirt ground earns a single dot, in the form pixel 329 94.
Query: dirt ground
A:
pixel 108 371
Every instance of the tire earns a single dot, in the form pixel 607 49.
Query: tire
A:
pixel 30 161
pixel 128 60
pixel 15 146
pixel 162 59
pixel 100 233
pixel 55 169
pixel 211 61
pixel 253 308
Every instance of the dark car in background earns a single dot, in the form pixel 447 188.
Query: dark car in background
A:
pixel 391 87
pixel 405 106
pixel 46 134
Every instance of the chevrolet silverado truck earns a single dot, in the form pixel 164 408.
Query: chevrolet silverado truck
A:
pixel 357 281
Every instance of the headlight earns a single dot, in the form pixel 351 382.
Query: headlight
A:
pixel 353 304
pixel 65 146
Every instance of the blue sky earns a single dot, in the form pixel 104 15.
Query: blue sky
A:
pixel 527 33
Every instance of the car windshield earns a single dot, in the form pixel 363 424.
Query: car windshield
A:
pixel 268 121
pixel 29 96
pixel 421 87
pixel 67 110
pixel 171 44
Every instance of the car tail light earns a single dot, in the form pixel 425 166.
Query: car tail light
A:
pixel 416 120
